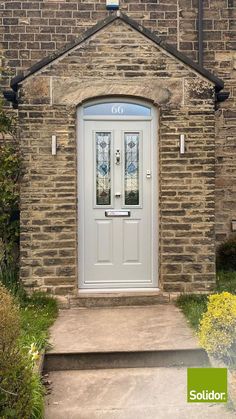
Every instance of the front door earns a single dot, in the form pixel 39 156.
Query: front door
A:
pixel 116 230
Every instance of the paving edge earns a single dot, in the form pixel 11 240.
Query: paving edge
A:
pixel 136 359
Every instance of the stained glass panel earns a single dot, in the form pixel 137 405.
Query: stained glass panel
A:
pixel 103 168
pixel 131 168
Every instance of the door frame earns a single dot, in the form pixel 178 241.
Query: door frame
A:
pixel 155 185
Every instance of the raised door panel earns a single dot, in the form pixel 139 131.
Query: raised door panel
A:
pixel 104 242
pixel 131 241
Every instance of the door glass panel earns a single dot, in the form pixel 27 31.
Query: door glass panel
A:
pixel 103 168
pixel 118 109
pixel 131 178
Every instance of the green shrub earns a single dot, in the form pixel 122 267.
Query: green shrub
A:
pixel 9 277
pixel 9 201
pixel 15 386
pixel 9 321
pixel 217 333
pixel 10 171
pixel 6 122
pixel 226 255
pixel 16 377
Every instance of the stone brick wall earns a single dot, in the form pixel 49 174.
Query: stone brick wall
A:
pixel 187 183
pixel 31 29
pixel 220 56
pixel 48 195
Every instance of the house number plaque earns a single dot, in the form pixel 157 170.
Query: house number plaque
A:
pixel 119 110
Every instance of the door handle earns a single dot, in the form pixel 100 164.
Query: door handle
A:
pixel 117 156
pixel 117 194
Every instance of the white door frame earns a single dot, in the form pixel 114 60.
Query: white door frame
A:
pixel 80 185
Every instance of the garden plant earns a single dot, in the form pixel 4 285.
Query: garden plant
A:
pixel 24 319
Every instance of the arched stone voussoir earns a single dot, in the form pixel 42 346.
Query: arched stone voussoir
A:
pixel 67 91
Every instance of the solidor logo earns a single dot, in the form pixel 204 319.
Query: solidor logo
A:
pixel 207 385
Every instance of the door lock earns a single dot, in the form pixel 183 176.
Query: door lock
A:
pixel 117 194
pixel 148 174
pixel 117 156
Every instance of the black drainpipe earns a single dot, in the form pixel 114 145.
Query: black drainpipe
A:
pixel 200 33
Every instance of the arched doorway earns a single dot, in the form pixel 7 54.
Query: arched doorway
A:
pixel 117 193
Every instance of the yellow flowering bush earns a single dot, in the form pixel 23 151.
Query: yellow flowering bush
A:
pixel 217 331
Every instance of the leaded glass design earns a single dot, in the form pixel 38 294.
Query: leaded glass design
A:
pixel 103 168
pixel 131 168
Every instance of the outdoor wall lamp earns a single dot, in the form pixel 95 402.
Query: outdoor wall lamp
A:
pixel 233 225
pixel 112 4
pixel 182 144
pixel 54 145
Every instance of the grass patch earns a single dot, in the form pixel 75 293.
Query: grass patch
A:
pixel 193 306
pixel 38 313
pixel 38 392
pixel 226 281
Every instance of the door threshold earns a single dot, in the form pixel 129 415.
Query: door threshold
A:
pixel 118 292
pixel 115 298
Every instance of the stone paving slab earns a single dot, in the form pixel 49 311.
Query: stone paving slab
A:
pixel 160 327
pixel 150 393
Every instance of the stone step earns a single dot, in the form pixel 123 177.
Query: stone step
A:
pixel 88 300
pixel 55 361
pixel 121 329
pixel 130 393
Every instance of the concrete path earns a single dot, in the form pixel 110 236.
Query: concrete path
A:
pixel 121 329
pixel 150 393
pixel 123 393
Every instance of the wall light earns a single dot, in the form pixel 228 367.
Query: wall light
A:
pixel 54 145
pixel 182 144
pixel 112 4
pixel 233 225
